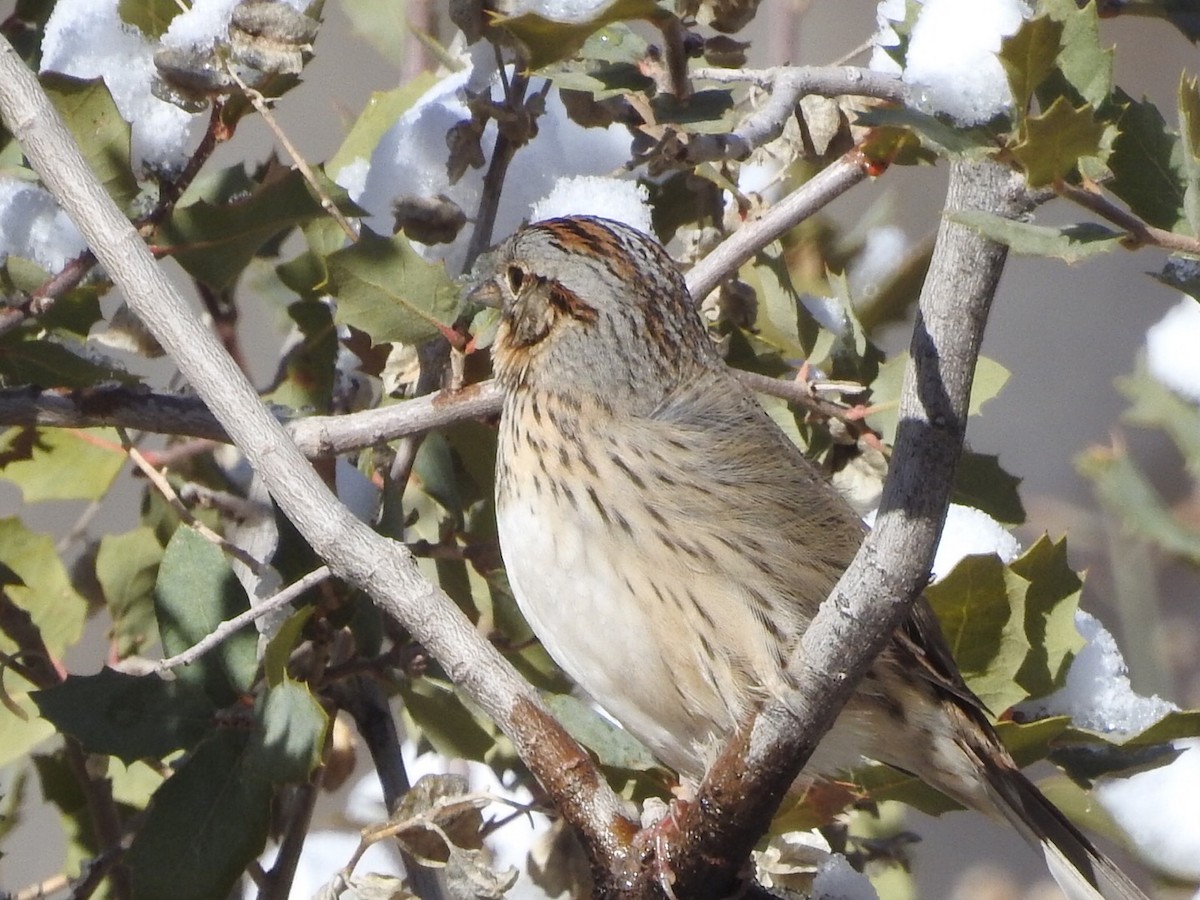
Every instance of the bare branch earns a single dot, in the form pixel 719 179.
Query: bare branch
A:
pixel 830 183
pixel 745 785
pixel 787 85
pixel 230 626
pixel 380 567
pixel 1141 233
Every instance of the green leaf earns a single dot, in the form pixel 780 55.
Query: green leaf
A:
pixel 384 288
pixel 1050 605
pixel 1084 64
pixel 20 734
pixel 68 464
pixel 214 242
pixel 436 713
pixel 127 567
pixel 1157 406
pixel 1189 130
pixel 72 315
pixel 196 591
pixel 548 41
pixel 280 647
pixel 289 735
pixel 1028 57
pixel 1147 164
pixel 52 364
pixel 981 482
pixel 128 716
pixel 382 111
pixel 308 366
pixel 1070 243
pixel 614 747
pixel 990 379
pixel 383 26
pixel 981 607
pixel 947 140
pixel 89 112
pixel 205 824
pixel 150 17
pixel 1123 489
pixel 45 592
pixel 62 790
pixel 1053 143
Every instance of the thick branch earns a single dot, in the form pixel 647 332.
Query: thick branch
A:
pixel 382 568
pixel 746 784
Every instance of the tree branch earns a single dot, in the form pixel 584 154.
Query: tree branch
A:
pixel 828 184
pixel 787 85
pixel 380 567
pixel 746 784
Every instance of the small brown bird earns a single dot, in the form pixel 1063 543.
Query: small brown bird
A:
pixel 668 544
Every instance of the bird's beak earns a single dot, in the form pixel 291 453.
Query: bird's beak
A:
pixel 485 293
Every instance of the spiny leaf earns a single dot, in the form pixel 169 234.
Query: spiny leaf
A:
pixel 1050 605
pixel 53 364
pixel 1147 164
pixel 68 464
pixel 546 40
pixel 127 716
pixel 1189 130
pixel 981 607
pixel 127 567
pixel 45 591
pixel 1028 57
pixel 195 592
pixel 88 109
pixel 205 824
pixel 1086 66
pixel 1055 141
pixel 215 241
pixel 1070 243
pixel 383 287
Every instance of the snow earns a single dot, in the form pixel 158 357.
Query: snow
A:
pixel 32 226
pixel 88 39
pixel 884 249
pixel 837 880
pixel 1158 811
pixel 597 195
pixel 968 532
pixel 560 10
pixel 1098 694
pixel 1171 349
pixel 951 61
pixel 411 158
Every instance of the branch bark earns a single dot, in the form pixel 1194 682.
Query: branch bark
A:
pixel 382 568
pixel 746 784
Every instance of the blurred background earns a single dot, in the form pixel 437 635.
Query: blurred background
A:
pixel 1064 332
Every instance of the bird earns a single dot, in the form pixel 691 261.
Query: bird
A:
pixel 668 544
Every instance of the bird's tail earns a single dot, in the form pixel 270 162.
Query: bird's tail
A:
pixel 1082 871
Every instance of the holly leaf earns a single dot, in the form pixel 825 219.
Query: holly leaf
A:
pixel 68 464
pixel 1147 164
pixel 196 591
pixel 89 112
pixel 215 241
pixel 127 716
pixel 384 288
pixel 548 40
pixel 1029 57
pixel 1070 243
pixel 1055 141
pixel 127 568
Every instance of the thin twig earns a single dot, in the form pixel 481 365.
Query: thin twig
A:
pixel 164 487
pixel 1090 197
pixel 260 103
pixel 828 184
pixel 230 626
pixel 787 86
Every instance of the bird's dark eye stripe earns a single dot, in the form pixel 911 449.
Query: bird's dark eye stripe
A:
pixel 569 302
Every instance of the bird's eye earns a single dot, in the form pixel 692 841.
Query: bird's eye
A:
pixel 516 278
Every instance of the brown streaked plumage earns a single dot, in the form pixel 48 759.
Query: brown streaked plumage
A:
pixel 668 543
